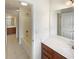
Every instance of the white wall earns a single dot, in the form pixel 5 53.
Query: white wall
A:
pixel 53 23
pixel 40 24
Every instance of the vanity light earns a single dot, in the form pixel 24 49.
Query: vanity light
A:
pixel 70 2
pixel 24 4
pixel 17 10
pixel 9 16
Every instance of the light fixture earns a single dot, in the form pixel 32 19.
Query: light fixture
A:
pixel 70 2
pixel 17 10
pixel 24 4
pixel 9 16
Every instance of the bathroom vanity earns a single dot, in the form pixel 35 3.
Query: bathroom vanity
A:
pixel 48 53
pixel 57 48
pixel 10 23
pixel 11 30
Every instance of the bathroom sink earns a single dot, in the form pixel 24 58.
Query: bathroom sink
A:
pixel 70 42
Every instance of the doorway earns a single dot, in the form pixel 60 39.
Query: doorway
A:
pixel 18 29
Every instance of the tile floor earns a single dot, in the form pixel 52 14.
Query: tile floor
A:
pixel 14 50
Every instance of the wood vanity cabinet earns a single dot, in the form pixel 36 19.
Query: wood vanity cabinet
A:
pixel 11 30
pixel 48 53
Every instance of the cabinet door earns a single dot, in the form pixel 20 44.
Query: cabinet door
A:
pixel 45 57
pixel 11 30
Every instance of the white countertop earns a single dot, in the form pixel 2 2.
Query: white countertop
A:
pixel 61 46
pixel 10 26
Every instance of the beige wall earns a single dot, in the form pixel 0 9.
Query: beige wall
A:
pixel 25 29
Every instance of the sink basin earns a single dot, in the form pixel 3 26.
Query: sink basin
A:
pixel 70 42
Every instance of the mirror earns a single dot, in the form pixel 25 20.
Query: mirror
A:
pixel 65 23
pixel 10 20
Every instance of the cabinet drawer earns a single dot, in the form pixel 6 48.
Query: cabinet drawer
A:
pixel 46 48
pixel 46 53
pixel 58 56
pixel 45 57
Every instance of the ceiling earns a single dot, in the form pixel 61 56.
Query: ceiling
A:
pixel 12 5
pixel 15 4
pixel 59 4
